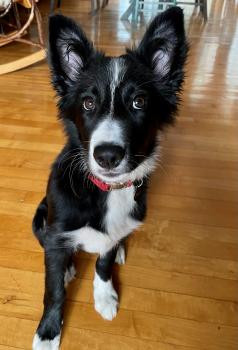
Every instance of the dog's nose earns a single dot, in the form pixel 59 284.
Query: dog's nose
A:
pixel 108 156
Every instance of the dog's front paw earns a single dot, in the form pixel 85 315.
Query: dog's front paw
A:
pixel 105 298
pixel 47 344
pixel 106 305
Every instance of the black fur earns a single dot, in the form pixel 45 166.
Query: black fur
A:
pixel 105 263
pixel 78 70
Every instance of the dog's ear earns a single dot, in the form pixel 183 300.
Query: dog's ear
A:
pixel 164 47
pixel 69 50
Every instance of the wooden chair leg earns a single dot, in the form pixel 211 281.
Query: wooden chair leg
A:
pixel 204 9
pixel 39 26
pixel 104 3
pixel 130 11
pixel 52 6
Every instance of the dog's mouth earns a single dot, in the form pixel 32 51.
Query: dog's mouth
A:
pixel 111 176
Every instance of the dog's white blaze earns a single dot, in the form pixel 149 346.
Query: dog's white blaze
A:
pixel 109 130
pixel 105 298
pixel 39 344
pixel 117 73
pixel 118 223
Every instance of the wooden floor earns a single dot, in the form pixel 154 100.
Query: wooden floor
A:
pixel 179 287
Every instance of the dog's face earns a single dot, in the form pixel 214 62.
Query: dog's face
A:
pixel 113 107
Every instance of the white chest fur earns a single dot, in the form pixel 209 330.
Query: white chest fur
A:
pixel 117 221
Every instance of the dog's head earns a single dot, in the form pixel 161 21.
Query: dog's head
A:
pixel 113 107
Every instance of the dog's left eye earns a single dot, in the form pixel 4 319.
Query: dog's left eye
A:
pixel 89 104
pixel 139 102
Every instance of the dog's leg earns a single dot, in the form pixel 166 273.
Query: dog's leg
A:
pixel 121 254
pixel 105 296
pixel 48 333
pixel 70 273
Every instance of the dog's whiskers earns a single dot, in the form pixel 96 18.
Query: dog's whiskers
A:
pixel 65 158
pixel 76 161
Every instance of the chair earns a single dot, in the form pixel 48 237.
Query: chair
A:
pixel 139 7
pixel 17 30
pixel 96 5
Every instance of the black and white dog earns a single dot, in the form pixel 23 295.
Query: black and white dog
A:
pixel 113 109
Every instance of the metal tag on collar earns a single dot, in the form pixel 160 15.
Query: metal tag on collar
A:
pixel 139 184
pixel 138 189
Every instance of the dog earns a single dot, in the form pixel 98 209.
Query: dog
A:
pixel 112 109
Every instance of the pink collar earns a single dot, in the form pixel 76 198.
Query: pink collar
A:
pixel 108 187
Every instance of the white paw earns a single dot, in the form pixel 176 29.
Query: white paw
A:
pixel 39 344
pixel 121 255
pixel 69 275
pixel 105 298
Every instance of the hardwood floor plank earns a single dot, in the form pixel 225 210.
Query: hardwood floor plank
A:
pixel 19 287
pixel 186 209
pixel 27 145
pixel 134 324
pixel 138 276
pixel 5 347
pixel 28 159
pixel 75 337
pixel 24 184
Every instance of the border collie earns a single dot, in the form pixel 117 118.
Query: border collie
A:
pixel 113 109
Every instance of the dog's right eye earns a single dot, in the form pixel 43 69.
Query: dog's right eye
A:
pixel 88 103
pixel 139 102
